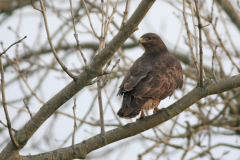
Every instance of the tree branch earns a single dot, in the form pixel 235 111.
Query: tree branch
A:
pixel 13 140
pixel 19 41
pixel 80 150
pixel 200 44
pixel 43 11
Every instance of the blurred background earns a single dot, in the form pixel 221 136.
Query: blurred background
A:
pixel 209 129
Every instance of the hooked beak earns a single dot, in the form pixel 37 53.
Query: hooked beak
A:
pixel 141 40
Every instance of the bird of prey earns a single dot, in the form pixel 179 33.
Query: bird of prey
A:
pixel 152 77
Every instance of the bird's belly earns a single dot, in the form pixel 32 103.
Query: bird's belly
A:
pixel 150 104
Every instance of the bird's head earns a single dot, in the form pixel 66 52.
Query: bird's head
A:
pixel 151 40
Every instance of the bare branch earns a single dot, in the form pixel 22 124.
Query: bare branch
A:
pixel 100 107
pixel 224 47
pixel 25 103
pixel 105 82
pixel 88 15
pixel 200 43
pixel 190 41
pixel 51 44
pixel 14 130
pixel 19 41
pixel 214 54
pixel 74 120
pixel 35 6
pixel 5 107
pixel 76 35
pixel 125 13
pixel 195 33
pixel 161 116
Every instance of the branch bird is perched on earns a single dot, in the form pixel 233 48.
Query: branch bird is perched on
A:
pixel 153 77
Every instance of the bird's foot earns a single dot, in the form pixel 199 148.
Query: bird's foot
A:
pixel 142 116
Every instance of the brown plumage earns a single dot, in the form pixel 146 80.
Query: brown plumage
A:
pixel 153 77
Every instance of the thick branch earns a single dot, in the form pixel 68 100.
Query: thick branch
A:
pixel 80 150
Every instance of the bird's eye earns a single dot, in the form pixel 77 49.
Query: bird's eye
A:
pixel 149 38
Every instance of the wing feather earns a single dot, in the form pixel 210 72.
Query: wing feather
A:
pixel 136 73
pixel 162 80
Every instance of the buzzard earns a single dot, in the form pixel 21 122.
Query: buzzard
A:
pixel 152 77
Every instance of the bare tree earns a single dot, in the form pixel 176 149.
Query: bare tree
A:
pixel 62 62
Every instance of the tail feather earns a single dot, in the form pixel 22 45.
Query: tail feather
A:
pixel 131 106
pixel 133 114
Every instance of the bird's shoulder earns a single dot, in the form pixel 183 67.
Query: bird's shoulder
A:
pixel 166 61
pixel 149 58
pixel 140 68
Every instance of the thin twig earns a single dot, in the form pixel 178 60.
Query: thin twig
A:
pixel 35 6
pixel 51 44
pixel 200 42
pixel 4 105
pixel 88 15
pixel 100 106
pixel 224 47
pixel 103 26
pixel 26 82
pixel 105 82
pixel 76 35
pixel 14 130
pixel 19 41
pixel 111 18
pixel 74 119
pixel 125 14
pixel 81 122
pixel 195 33
pixel 214 54
pixel 148 150
pixel 101 46
pixel 190 40
pixel 106 21
pixel 25 103
pixel 209 40
pixel 111 106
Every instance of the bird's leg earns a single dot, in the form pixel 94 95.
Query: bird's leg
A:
pixel 155 110
pixel 142 116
